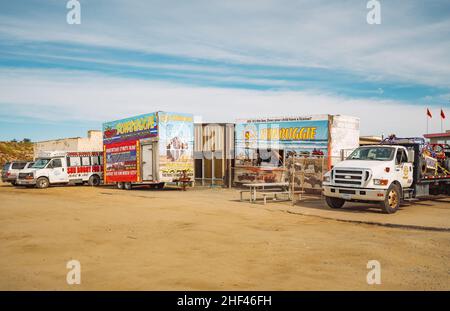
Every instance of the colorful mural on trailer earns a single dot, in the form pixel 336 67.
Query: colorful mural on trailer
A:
pixel 134 128
pixel 304 137
pixel 264 147
pixel 176 147
pixel 121 162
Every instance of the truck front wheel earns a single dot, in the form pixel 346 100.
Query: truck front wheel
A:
pixel 127 186
pixel 392 201
pixel 335 202
pixel 42 183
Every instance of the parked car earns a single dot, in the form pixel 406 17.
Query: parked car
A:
pixel 10 170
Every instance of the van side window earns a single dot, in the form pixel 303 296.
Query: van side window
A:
pixel 95 160
pixel 85 161
pixel 73 161
pixel 56 163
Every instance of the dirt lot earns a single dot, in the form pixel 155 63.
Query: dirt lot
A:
pixel 203 239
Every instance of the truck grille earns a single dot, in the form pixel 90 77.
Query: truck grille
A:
pixel 351 177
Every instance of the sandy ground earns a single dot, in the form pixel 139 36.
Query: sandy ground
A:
pixel 204 239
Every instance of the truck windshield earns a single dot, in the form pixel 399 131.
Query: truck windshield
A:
pixel 40 163
pixel 372 154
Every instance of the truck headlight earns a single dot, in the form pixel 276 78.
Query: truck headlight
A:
pixel 326 178
pixel 380 182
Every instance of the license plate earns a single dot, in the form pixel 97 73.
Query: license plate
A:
pixel 346 196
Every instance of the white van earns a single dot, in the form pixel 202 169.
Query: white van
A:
pixel 63 168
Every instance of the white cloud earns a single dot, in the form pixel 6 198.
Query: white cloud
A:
pixel 75 96
pixel 411 44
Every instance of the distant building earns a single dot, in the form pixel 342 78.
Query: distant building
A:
pixel 93 142
pixel 369 140
pixel 439 138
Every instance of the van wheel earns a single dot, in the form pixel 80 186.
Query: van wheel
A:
pixel 94 180
pixel 127 186
pixel 119 185
pixel 42 183
pixel 335 202
pixel 392 201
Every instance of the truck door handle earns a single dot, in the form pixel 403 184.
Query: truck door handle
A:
pixel 397 169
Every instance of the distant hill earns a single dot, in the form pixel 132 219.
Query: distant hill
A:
pixel 13 151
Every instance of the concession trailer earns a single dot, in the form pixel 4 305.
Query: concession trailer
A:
pixel 266 148
pixel 153 149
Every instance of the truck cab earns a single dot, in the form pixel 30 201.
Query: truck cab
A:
pixel 378 173
pixel 63 168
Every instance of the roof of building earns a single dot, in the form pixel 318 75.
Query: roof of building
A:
pixel 436 135
pixel 67 138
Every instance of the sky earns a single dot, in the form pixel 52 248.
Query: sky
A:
pixel 222 60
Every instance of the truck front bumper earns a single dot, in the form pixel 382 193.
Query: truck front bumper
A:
pixel 26 182
pixel 354 194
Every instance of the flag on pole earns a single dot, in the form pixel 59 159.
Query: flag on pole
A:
pixel 429 113
pixel 442 114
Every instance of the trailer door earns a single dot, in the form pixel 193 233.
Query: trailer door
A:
pixel 147 162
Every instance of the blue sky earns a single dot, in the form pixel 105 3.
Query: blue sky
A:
pixel 221 60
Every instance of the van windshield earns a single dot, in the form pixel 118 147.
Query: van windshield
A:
pixel 372 154
pixel 40 163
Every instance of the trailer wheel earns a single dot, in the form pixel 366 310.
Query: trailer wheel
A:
pixel 42 183
pixel 127 186
pixel 334 202
pixel 94 181
pixel 392 201
pixel 160 185
pixel 119 185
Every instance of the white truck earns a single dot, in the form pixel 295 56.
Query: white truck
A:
pixel 60 167
pixel 397 169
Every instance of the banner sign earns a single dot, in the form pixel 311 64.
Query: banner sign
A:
pixel 176 136
pixel 294 137
pixel 130 129
pixel 121 162
pixel 265 147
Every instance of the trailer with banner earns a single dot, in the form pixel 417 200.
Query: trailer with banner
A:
pixel 269 149
pixel 153 149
